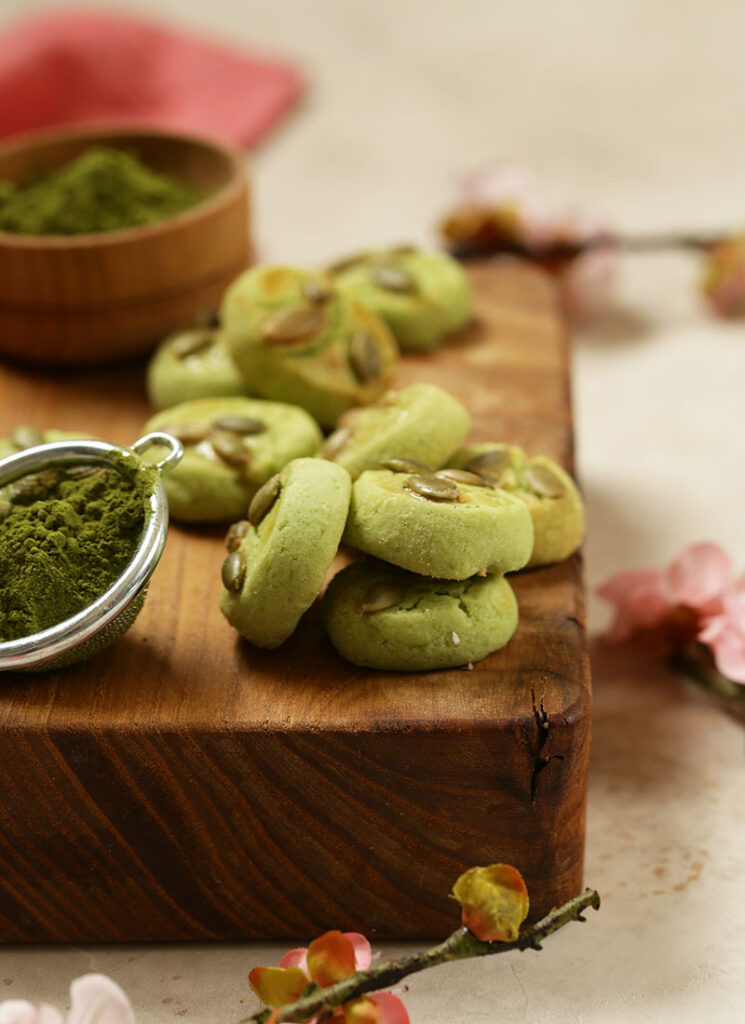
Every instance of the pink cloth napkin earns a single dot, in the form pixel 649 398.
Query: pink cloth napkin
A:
pixel 83 67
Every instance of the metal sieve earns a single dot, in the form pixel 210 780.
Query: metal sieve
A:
pixel 111 614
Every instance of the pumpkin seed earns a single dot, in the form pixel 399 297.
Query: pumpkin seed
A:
pixel 229 447
pixel 236 533
pixel 82 471
pixel 392 278
pixel 491 463
pixel 233 571
pixel 208 318
pixel 264 499
pixel 433 488
pixel 316 291
pixel 26 490
pixel 290 325
pixel 365 356
pixel 49 477
pixel 240 425
pixel 381 596
pixel 26 437
pixel 544 482
pixel 348 262
pixel 336 442
pixel 188 433
pixel 191 342
pixel 463 476
pixel 405 465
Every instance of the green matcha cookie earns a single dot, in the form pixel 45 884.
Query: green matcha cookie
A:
pixel 232 446
pixel 449 524
pixel 298 339
pixel 23 436
pixel 280 555
pixel 550 494
pixel 382 617
pixel 422 296
pixel 421 423
pixel 194 363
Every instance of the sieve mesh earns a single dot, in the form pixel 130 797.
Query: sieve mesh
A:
pixel 111 615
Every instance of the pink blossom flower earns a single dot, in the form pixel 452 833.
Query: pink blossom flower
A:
pixel 94 999
pixel 694 598
pixel 509 192
pixel 329 958
pixel 587 280
pixel 501 207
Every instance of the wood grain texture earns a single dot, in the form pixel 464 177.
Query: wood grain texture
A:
pixel 99 298
pixel 184 785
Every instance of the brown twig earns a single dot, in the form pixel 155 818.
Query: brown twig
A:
pixel 461 945
pixel 695 661
pixel 565 251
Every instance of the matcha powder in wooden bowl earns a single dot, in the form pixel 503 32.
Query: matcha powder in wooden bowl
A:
pixel 103 189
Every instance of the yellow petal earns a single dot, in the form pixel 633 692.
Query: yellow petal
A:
pixel 331 958
pixel 276 986
pixel 361 1011
pixel 494 902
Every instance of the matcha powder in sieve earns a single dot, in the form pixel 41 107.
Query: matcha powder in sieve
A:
pixel 66 535
pixel 103 189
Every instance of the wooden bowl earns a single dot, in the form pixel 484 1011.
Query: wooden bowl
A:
pixel 97 298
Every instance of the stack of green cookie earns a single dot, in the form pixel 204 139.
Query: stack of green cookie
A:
pixel 443 538
pixel 432 593
pixel 447 538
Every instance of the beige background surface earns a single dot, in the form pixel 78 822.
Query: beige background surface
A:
pixel 633 109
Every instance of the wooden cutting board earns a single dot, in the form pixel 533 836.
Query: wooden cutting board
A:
pixel 184 785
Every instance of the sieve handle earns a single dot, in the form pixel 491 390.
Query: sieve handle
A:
pixel 157 439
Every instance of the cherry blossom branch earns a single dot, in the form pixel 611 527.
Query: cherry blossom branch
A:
pixel 461 945
pixel 561 251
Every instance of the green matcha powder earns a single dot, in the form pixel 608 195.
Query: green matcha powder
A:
pixel 65 537
pixel 103 189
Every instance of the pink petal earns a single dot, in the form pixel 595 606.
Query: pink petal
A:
pixel 362 950
pixel 724 633
pixel 699 574
pixel 639 599
pixel 729 655
pixel 578 226
pixel 19 1011
pixel 97 999
pixel 296 958
pixel 733 605
pixel 392 1010
pixel 712 629
pixel 587 282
